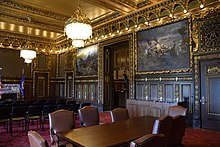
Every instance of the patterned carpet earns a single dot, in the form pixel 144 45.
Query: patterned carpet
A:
pixel 192 138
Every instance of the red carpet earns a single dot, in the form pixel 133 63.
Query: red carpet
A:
pixel 192 138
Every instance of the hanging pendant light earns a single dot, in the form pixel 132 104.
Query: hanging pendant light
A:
pixel 27 52
pixel 78 28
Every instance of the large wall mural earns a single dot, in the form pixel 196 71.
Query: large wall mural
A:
pixel 87 61
pixel 164 48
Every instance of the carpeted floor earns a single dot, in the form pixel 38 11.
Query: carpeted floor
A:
pixel 192 138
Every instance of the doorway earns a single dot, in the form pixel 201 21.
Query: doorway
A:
pixel 116 67
pixel 210 94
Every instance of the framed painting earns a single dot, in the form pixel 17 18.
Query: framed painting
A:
pixel 164 48
pixel 87 61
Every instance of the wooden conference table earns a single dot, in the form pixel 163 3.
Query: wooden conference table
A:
pixel 111 134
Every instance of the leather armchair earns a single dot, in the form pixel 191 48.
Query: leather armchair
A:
pixel 149 140
pixel 177 131
pixel 163 126
pixel 60 120
pixel 36 140
pixel 89 116
pixel 119 114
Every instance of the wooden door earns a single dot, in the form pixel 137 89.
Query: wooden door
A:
pixel 41 85
pixel 210 94
pixel 116 75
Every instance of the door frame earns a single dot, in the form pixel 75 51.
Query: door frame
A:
pixel 204 96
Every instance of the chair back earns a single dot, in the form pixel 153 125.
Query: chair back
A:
pixel 177 131
pixel 163 126
pixel 84 104
pixel 35 110
pixel 62 106
pixel 19 111
pixel 177 110
pixel 89 116
pixel 48 109
pixel 36 140
pixel 149 140
pixel 76 108
pixel 119 114
pixel 61 120
pixel 5 113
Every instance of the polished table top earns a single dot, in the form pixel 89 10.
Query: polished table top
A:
pixel 111 134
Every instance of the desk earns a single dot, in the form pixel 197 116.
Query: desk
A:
pixel 110 134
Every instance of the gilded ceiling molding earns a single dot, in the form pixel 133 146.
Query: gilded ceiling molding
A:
pixel 32 10
pixel 16 41
pixel 22 20
pixel 149 16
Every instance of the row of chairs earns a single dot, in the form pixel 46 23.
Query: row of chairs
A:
pixel 26 114
pixel 37 102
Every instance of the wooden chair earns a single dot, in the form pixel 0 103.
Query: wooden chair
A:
pixel 34 113
pixel 45 111
pixel 119 114
pixel 60 120
pixel 149 140
pixel 89 116
pixel 19 114
pixel 36 140
pixel 177 110
pixel 5 117
pixel 177 131
pixel 163 126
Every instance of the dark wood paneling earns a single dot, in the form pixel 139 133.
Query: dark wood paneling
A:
pixel 41 62
pixel 12 64
pixel 53 69
pixel 153 92
pixel 86 91
pixel 41 85
pixel 165 91
pixel 169 93
pixel 61 67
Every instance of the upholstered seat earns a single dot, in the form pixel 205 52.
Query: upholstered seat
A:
pixel 60 120
pixel 163 126
pixel 36 140
pixel 149 140
pixel 119 114
pixel 177 131
pixel 89 116
pixel 177 110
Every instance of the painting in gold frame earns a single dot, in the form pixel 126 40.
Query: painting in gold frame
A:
pixel 87 61
pixel 164 48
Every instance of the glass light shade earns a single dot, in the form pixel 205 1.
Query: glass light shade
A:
pixel 28 55
pixel 78 31
pixel 78 28
pixel 27 60
pixel 78 43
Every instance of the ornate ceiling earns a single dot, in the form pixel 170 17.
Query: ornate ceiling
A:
pixel 45 18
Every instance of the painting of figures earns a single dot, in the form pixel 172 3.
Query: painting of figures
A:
pixel 164 48
pixel 87 61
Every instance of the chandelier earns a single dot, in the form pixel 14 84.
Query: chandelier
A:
pixel 27 51
pixel 78 28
